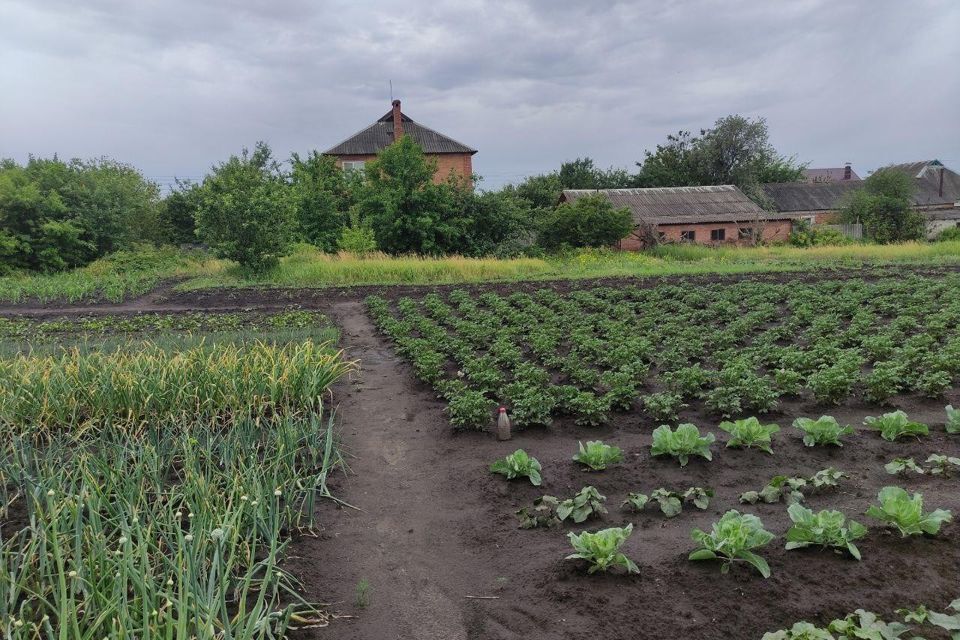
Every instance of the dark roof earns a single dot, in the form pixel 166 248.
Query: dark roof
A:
pixel 829 174
pixel 680 205
pixel 379 136
pixel 809 196
pixel 927 175
pixel 828 196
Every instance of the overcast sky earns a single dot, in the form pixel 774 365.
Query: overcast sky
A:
pixel 174 86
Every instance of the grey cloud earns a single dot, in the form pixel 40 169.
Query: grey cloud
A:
pixel 173 87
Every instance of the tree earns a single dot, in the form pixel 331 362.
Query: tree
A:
pixel 884 207
pixel 406 210
pixel 496 223
pixel 324 194
pixel 590 221
pixel 246 210
pixel 736 151
pixel 178 212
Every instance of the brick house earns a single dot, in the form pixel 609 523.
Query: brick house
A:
pixel 364 145
pixel 705 215
pixel 937 197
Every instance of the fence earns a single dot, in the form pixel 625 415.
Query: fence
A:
pixel 854 231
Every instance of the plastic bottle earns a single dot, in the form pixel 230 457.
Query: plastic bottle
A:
pixel 503 424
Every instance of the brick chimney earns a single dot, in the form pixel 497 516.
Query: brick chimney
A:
pixel 397 121
pixel 847 171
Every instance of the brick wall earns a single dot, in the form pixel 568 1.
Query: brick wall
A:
pixel 773 231
pixel 461 163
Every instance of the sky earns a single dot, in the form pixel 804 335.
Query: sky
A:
pixel 175 86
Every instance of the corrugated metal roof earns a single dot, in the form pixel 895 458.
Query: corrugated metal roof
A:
pixel 810 196
pixel 682 205
pixel 379 136
pixel 927 175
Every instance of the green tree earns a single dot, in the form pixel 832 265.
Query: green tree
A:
pixel 407 212
pixel 178 212
pixel 497 223
pixel 590 221
pixel 246 210
pixel 324 194
pixel 885 208
pixel 737 150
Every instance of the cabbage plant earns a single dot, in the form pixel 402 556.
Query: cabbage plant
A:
pixel 953 419
pixel 681 443
pixel 598 455
pixel 602 549
pixel 749 432
pixel 897 508
pixel 827 528
pixel 823 430
pixel 896 425
pixel 518 464
pixel 733 539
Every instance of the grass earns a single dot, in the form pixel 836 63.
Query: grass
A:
pixel 114 278
pixel 311 268
pixel 128 274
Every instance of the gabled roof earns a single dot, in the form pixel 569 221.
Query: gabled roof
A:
pixel 681 205
pixel 809 196
pixel 829 174
pixel 379 136
pixel 927 175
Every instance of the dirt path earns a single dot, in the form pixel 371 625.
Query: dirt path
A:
pixel 405 541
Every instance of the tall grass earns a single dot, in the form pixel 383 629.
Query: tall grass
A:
pixel 113 278
pixel 202 382
pixel 311 268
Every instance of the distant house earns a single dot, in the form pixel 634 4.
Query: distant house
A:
pixel 364 145
pixel 704 215
pixel 830 174
pixel 937 196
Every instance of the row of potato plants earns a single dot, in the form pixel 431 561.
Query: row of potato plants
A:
pixel 736 349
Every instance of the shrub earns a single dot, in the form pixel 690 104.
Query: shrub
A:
pixel 949 235
pixel 748 432
pixel 358 240
pixel 518 465
pixel 590 221
pixel 824 430
pixel 598 455
pixel 733 539
pixel 897 508
pixel 602 549
pixel 895 425
pixel 681 443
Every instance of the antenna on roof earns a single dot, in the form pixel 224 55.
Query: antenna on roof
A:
pixel 391 90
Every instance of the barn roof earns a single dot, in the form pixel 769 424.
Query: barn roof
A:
pixel 829 174
pixel 681 205
pixel 809 196
pixel 927 175
pixel 379 135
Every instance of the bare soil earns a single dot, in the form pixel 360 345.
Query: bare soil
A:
pixel 437 541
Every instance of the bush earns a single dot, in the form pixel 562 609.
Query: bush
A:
pixel 949 235
pixel 358 240
pixel 246 210
pixel 590 221
pixel 885 208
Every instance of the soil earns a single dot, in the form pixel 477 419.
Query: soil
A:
pixel 436 539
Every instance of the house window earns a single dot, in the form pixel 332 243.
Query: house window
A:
pixel 661 236
pixel 746 233
pixel 717 235
pixel 688 236
pixel 352 165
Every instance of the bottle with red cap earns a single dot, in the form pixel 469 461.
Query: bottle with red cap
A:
pixel 503 424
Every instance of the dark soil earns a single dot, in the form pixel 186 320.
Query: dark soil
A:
pixel 437 540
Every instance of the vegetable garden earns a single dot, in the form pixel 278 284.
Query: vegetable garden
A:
pixel 781 433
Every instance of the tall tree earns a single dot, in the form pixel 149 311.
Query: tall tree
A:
pixel 324 194
pixel 885 207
